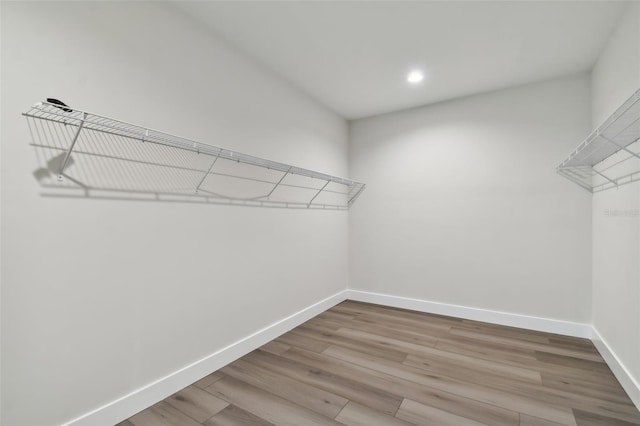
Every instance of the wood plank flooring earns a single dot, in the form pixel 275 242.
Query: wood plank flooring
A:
pixel 359 364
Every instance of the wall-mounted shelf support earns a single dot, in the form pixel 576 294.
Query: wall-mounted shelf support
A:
pixel 610 156
pixel 604 176
pixel 318 193
pixel 624 148
pixel 213 163
pixel 99 154
pixel 278 183
pixel 73 143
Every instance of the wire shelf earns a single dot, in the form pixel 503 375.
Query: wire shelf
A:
pixel 610 156
pixel 83 151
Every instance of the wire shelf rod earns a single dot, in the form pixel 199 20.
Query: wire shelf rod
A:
pixel 108 154
pixel 191 169
pixel 220 200
pixel 616 136
pixel 632 102
pixel 44 110
pixel 615 164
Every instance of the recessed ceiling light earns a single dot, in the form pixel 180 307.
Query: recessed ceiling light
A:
pixel 415 77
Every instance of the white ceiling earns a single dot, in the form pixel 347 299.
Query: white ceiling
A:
pixel 353 56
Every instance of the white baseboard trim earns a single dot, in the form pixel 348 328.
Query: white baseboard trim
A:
pixel 128 405
pixel 630 385
pixel 566 328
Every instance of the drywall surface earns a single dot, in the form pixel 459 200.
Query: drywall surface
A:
pixel 463 205
pixel 616 222
pixel 100 297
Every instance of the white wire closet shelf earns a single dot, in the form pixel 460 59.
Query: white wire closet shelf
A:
pixel 610 156
pixel 79 150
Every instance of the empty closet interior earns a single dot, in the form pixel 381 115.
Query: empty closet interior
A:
pixel 325 212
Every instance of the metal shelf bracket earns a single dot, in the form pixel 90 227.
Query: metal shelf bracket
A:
pixel 73 143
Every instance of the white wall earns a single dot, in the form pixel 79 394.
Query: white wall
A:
pixel 102 297
pixel 463 204
pixel 616 239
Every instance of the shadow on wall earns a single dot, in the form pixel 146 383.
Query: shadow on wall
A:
pixel 108 163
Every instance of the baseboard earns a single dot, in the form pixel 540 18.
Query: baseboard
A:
pixel 630 385
pixel 128 405
pixel 566 328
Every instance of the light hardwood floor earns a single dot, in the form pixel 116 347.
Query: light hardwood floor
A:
pixel 365 365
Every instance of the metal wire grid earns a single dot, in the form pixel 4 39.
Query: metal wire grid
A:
pixel 126 158
pixel 610 156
